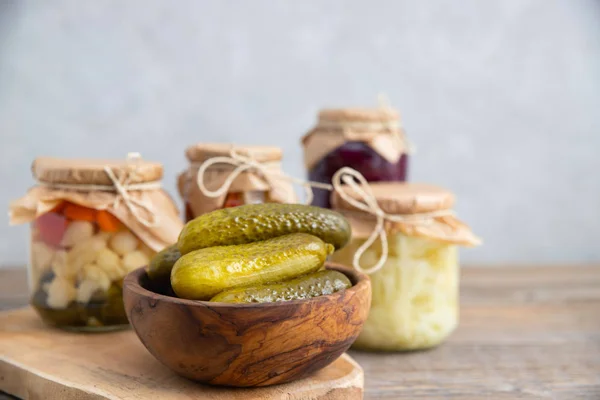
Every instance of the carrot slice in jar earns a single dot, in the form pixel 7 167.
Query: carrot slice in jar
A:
pixel 107 221
pixel 79 213
pixel 234 200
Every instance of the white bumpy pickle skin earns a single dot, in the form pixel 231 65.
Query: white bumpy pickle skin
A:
pixel 414 295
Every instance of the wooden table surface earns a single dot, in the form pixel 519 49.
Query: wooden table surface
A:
pixel 525 333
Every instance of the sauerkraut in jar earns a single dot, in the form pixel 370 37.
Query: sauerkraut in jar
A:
pixel 85 239
pixel 371 141
pixel 414 302
pixel 250 186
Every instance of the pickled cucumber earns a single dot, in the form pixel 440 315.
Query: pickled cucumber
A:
pixel 203 273
pixel 256 222
pixel 162 263
pixel 311 285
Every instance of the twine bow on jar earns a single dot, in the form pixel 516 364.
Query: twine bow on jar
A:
pixel 346 179
pixel 242 164
pixel 122 186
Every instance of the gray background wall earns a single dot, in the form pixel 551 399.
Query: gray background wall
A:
pixel 500 98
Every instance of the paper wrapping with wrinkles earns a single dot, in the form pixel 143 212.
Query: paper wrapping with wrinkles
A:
pixel 41 199
pixel 379 129
pixel 408 199
pixel 215 176
pixel 279 191
pixel 446 229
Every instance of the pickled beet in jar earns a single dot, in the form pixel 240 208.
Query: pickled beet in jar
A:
pixel 369 140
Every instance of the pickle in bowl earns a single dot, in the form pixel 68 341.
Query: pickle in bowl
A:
pixel 320 283
pixel 201 274
pixel 258 222
pixel 159 269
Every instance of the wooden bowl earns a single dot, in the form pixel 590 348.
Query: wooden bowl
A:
pixel 246 344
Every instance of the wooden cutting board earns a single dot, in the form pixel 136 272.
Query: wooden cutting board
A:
pixel 39 362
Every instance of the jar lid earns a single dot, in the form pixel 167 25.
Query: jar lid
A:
pixel 401 198
pixel 92 171
pixel 382 114
pixel 201 152
pixel 378 128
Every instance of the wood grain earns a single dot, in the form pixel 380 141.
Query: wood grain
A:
pixel 39 362
pixel 525 332
pixel 256 344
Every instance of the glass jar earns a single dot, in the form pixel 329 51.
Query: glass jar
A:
pixel 85 239
pixel 370 141
pixel 232 199
pixel 249 187
pixel 414 302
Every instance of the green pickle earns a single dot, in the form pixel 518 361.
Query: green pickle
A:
pixel 257 222
pixel 319 283
pixel 201 274
pixel 162 263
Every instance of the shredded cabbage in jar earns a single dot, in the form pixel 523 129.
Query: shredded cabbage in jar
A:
pixel 414 301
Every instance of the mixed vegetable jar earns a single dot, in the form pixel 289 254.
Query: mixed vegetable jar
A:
pixel 371 141
pixel 232 176
pixel 92 222
pixel 414 275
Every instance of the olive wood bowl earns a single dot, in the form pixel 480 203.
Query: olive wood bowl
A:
pixel 257 344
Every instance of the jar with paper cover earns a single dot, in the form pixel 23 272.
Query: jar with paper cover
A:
pixel 225 175
pixel 92 222
pixel 412 263
pixel 372 141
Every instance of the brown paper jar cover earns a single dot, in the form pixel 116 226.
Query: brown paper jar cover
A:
pixel 378 128
pixel 248 181
pixel 91 172
pixel 408 199
pixel 201 152
pixel 72 172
